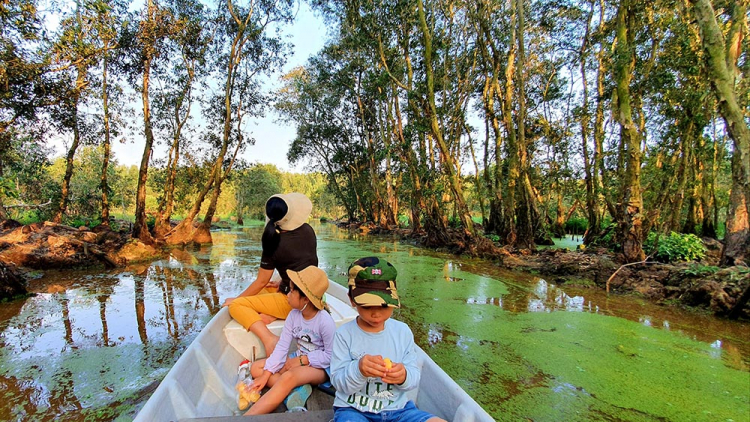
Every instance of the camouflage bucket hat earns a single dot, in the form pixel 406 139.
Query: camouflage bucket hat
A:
pixel 372 282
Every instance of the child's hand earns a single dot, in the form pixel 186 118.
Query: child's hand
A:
pixel 260 382
pixel 372 366
pixel 379 367
pixel 396 374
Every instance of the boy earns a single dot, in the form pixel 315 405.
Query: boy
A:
pixel 374 359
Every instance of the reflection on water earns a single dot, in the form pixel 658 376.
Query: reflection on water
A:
pixel 91 346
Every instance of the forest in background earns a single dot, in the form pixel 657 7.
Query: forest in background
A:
pixel 631 114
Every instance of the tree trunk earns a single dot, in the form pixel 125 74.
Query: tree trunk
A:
pixel 529 222
pixel 589 166
pixel 509 231
pixel 721 61
pixel 737 237
pixel 630 214
pixel 106 146
pixel 140 229
pixel 449 164
pixel 682 176
pixel 65 188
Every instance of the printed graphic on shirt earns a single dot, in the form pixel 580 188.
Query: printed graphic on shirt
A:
pixel 373 397
pixel 306 339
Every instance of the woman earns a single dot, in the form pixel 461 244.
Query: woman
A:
pixel 289 243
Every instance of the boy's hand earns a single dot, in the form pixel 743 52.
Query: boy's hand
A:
pixel 375 367
pixel 372 366
pixel 395 375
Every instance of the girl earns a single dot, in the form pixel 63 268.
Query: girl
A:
pixel 313 331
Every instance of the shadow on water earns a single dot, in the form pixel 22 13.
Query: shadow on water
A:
pixel 93 346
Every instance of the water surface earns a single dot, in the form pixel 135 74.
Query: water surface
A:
pixel 92 346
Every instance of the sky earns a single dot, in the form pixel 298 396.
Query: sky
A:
pixel 308 35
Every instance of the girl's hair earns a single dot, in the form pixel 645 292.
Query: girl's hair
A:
pixel 293 286
pixel 276 209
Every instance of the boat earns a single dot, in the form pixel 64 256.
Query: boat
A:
pixel 200 385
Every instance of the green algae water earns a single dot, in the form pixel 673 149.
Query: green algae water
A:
pixel 93 346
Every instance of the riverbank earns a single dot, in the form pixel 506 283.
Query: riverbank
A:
pixel 702 285
pixel 25 250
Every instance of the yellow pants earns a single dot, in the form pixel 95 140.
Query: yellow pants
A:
pixel 246 309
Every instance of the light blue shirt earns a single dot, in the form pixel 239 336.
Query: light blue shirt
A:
pixel 353 389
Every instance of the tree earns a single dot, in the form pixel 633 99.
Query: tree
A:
pixel 26 84
pixel 76 49
pixel 254 186
pixel 721 55
pixel 630 212
pixel 154 27
pixel 245 52
pixel 189 44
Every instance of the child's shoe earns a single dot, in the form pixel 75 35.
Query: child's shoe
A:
pixel 298 397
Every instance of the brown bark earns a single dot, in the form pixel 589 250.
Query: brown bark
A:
pixel 509 230
pixel 589 165
pixel 149 34
pixel 737 238
pixel 106 146
pixel 629 222
pixel 721 59
pixel 65 188
pixel 449 164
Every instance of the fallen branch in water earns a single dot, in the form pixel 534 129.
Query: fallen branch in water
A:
pixel 645 261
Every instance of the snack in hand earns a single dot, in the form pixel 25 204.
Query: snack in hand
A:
pixel 388 363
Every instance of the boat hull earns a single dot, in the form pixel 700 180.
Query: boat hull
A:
pixel 201 383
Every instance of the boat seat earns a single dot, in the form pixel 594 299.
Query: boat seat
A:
pixel 310 416
pixel 244 341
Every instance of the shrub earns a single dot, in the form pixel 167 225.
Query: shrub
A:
pixel 699 270
pixel 675 247
pixel 28 217
pixel 493 237
pixel 576 225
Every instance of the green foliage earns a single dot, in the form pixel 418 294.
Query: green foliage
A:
pixel 576 225
pixel 82 221
pixel 608 239
pixel 254 186
pixel 28 217
pixel 493 237
pixel 7 188
pixel 675 247
pixel 699 270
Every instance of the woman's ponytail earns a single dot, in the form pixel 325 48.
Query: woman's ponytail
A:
pixel 276 209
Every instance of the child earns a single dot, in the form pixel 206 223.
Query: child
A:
pixel 313 331
pixel 374 359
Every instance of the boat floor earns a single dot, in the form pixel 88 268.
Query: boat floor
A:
pixel 319 409
pixel 311 416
